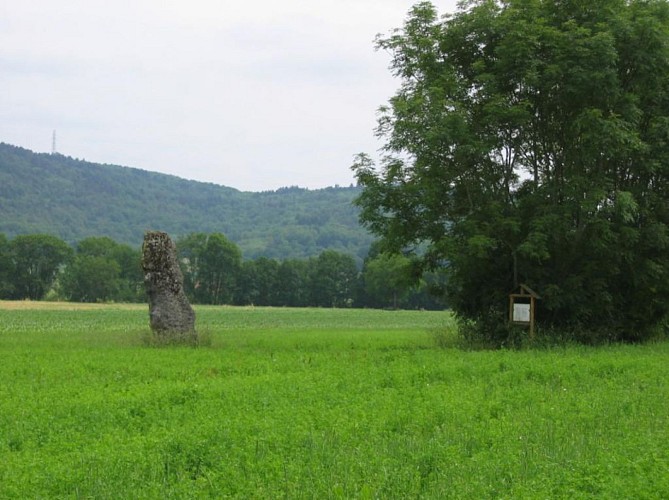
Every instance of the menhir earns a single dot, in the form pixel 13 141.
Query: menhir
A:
pixel 169 310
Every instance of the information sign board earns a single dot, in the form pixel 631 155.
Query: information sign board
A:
pixel 521 313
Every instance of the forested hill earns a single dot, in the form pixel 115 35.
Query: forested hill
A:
pixel 74 199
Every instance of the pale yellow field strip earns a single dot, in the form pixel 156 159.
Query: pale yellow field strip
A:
pixel 9 305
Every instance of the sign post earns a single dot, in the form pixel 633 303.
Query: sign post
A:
pixel 522 307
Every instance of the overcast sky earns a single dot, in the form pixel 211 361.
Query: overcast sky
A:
pixel 253 95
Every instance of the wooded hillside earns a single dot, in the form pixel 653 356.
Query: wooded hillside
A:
pixel 75 199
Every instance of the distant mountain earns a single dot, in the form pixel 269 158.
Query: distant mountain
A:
pixel 74 199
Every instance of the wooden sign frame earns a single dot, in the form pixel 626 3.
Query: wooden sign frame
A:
pixel 523 306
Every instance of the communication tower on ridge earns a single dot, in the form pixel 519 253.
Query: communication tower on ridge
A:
pixel 53 143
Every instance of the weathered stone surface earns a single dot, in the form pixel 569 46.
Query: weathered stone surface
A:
pixel 170 312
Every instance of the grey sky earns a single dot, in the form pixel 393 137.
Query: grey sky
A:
pixel 252 95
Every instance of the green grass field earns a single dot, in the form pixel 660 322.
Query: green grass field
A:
pixel 319 403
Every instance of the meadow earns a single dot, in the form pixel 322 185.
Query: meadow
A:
pixel 319 403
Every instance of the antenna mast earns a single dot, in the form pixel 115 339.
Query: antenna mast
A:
pixel 53 143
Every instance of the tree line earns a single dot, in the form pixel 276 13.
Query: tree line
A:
pixel 99 269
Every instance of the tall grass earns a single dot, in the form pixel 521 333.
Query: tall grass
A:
pixel 320 403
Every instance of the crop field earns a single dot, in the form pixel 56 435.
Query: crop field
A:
pixel 319 403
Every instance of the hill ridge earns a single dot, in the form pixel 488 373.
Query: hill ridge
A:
pixel 74 199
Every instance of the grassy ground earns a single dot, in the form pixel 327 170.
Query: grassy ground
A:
pixel 319 403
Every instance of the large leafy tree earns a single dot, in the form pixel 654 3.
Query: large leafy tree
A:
pixel 292 283
pixel 189 250
pixel 211 265
pixel 103 270
pixel 388 278
pixel 220 261
pixel 529 142
pixel 37 259
pixel 257 284
pixel 91 279
pixel 334 277
pixel 131 278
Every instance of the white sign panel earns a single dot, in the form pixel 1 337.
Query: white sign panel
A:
pixel 521 313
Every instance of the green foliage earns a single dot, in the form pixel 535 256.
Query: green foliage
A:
pixel 75 199
pixel 211 265
pixel 388 278
pixel 91 279
pixel 319 403
pixel 220 263
pixel 292 284
pixel 103 270
pixel 189 251
pixel 259 282
pixel 334 277
pixel 36 260
pixel 214 273
pixel 527 144
pixel 6 268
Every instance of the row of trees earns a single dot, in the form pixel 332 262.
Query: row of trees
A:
pixel 215 273
pixel 99 269
pixel 38 266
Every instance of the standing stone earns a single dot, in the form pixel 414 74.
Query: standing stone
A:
pixel 171 315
